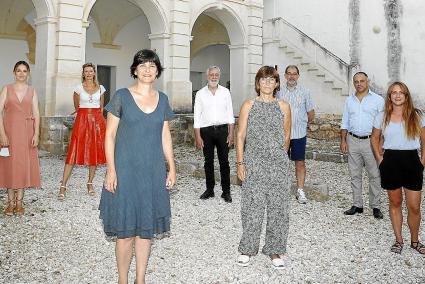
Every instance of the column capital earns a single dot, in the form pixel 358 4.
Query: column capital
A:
pixel 45 20
pixel 238 46
pixel 159 36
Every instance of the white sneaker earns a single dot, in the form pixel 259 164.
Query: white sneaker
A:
pixel 301 196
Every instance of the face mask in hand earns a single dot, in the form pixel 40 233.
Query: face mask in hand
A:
pixel 4 152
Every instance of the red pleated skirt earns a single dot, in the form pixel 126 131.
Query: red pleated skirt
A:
pixel 87 146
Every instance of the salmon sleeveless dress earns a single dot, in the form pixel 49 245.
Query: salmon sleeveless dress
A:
pixel 21 169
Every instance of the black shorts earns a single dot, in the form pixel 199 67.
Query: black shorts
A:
pixel 401 168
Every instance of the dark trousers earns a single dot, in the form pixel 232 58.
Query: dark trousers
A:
pixel 216 137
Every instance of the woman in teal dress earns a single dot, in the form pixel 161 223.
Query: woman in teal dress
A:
pixel 135 202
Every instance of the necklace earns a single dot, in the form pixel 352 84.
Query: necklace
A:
pixel 90 94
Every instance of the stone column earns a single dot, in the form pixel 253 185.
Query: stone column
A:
pixel 255 41
pixel 45 64
pixel 62 46
pixel 70 50
pixel 159 43
pixel 239 76
pixel 179 87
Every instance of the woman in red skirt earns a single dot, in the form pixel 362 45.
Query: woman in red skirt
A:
pixel 88 136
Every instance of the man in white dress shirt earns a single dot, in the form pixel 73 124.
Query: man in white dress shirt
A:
pixel 213 125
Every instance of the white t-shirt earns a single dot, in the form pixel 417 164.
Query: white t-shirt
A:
pixel 89 100
pixel 395 136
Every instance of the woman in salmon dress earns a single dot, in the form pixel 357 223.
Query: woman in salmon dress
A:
pixel 19 132
pixel 88 135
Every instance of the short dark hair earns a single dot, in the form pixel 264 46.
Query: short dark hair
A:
pixel 264 72
pixel 143 56
pixel 21 63
pixel 360 73
pixel 292 67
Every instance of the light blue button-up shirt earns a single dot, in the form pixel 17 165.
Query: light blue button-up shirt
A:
pixel 358 116
pixel 300 102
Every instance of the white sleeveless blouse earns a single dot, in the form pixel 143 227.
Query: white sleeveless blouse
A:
pixel 89 100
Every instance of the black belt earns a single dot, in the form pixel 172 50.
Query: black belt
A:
pixel 359 137
pixel 216 126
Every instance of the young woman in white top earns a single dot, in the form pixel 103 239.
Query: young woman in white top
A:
pixel 87 146
pixel 403 129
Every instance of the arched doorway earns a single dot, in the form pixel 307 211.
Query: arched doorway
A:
pixel 113 38
pixel 17 36
pixel 219 39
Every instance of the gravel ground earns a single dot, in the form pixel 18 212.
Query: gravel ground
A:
pixel 63 242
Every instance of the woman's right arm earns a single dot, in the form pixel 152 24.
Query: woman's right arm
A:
pixel 76 102
pixel 4 141
pixel 375 143
pixel 111 130
pixel 241 136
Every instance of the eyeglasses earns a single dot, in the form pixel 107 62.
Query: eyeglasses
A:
pixel 292 74
pixel 269 80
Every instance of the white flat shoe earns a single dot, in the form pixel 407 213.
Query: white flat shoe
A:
pixel 243 260
pixel 278 263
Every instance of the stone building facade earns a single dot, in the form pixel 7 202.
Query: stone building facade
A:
pixel 329 40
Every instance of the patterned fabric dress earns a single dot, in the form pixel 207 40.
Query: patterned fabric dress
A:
pixel 266 187
pixel 21 169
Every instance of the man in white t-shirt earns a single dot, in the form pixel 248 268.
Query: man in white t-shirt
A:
pixel 213 125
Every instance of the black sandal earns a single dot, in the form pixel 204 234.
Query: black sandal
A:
pixel 397 247
pixel 418 247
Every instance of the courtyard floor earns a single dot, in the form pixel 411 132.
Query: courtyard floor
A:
pixel 63 242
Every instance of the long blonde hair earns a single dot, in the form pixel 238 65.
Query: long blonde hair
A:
pixel 83 79
pixel 411 116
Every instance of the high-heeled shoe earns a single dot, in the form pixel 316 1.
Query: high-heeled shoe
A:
pixel 62 193
pixel 90 189
pixel 19 209
pixel 10 209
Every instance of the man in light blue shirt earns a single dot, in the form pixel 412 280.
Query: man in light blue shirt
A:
pixel 356 127
pixel 302 112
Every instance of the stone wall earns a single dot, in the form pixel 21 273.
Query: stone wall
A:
pixel 325 127
pixel 56 131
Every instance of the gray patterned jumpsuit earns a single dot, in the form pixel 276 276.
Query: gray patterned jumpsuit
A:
pixel 266 186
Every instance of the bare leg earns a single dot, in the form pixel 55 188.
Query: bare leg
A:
pixel 19 196
pixel 123 254
pixel 66 174
pixel 92 172
pixel 413 203
pixel 300 172
pixel 143 250
pixel 10 202
pixel 395 201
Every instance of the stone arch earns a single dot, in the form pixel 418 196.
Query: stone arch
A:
pixel 44 8
pixel 229 18
pixel 151 8
pixel 238 47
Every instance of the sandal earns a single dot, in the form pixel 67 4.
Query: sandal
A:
pixel 278 263
pixel 10 209
pixel 19 209
pixel 418 247
pixel 243 260
pixel 397 247
pixel 90 189
pixel 62 193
